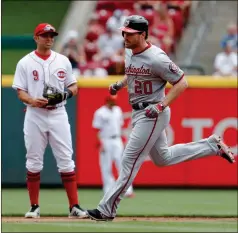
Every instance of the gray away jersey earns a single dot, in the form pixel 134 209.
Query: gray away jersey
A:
pixel 147 74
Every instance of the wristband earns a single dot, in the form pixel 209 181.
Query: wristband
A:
pixel 68 94
pixel 161 107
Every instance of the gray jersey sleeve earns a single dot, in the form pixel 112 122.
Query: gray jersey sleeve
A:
pixel 163 67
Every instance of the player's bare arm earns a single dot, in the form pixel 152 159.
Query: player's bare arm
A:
pixel 124 81
pixel 26 98
pixel 99 143
pixel 175 91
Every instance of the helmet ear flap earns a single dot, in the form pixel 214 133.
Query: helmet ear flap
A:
pixel 146 35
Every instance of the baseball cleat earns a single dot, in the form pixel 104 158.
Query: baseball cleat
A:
pixel 95 214
pixel 223 150
pixel 77 212
pixel 34 212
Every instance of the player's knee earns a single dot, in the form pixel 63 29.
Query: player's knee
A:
pixel 160 163
pixel 66 166
pixel 34 166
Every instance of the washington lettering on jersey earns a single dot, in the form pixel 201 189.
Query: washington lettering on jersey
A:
pixel 132 70
pixel 148 72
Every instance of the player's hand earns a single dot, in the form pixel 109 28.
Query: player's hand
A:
pixel 39 102
pixel 114 88
pixel 99 145
pixel 153 110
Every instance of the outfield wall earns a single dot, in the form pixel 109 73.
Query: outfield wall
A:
pixel 207 106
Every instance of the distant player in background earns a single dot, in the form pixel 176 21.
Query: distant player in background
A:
pixel 108 122
pixel 44 81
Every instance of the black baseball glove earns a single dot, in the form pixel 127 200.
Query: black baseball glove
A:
pixel 54 95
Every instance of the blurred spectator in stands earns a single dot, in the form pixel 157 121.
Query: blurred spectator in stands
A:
pixel 95 70
pixel 74 52
pixel 116 20
pixel 181 6
pixel 175 11
pixel 145 9
pixel 231 37
pixel 103 16
pixel 90 48
pixel 163 27
pixel 106 5
pixel 94 29
pixel 163 24
pixel 109 42
pixel 186 8
pixel 154 40
pixel 167 46
pixel 118 63
pixel 109 45
pixel 225 63
pixel 144 5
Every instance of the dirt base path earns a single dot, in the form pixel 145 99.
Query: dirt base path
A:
pixel 117 219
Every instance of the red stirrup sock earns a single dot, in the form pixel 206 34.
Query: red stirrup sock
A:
pixel 33 186
pixel 70 185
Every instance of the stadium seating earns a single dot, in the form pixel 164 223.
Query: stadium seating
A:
pixel 104 10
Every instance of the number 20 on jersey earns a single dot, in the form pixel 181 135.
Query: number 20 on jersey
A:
pixel 143 87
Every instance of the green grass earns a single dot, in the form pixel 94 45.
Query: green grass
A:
pixel 160 202
pixel 218 226
pixel 217 203
pixel 21 17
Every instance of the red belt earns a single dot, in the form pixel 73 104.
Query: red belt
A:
pixel 47 108
pixel 50 107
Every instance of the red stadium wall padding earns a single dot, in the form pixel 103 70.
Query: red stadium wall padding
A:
pixel 196 114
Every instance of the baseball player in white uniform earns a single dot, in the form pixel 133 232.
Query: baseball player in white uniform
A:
pixel 147 70
pixel 108 121
pixel 43 80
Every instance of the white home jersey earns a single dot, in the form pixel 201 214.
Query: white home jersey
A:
pixel 109 121
pixel 148 72
pixel 32 72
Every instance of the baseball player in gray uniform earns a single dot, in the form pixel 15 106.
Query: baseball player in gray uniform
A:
pixel 147 70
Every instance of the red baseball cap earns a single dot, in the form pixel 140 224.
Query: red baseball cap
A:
pixel 111 98
pixel 44 28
